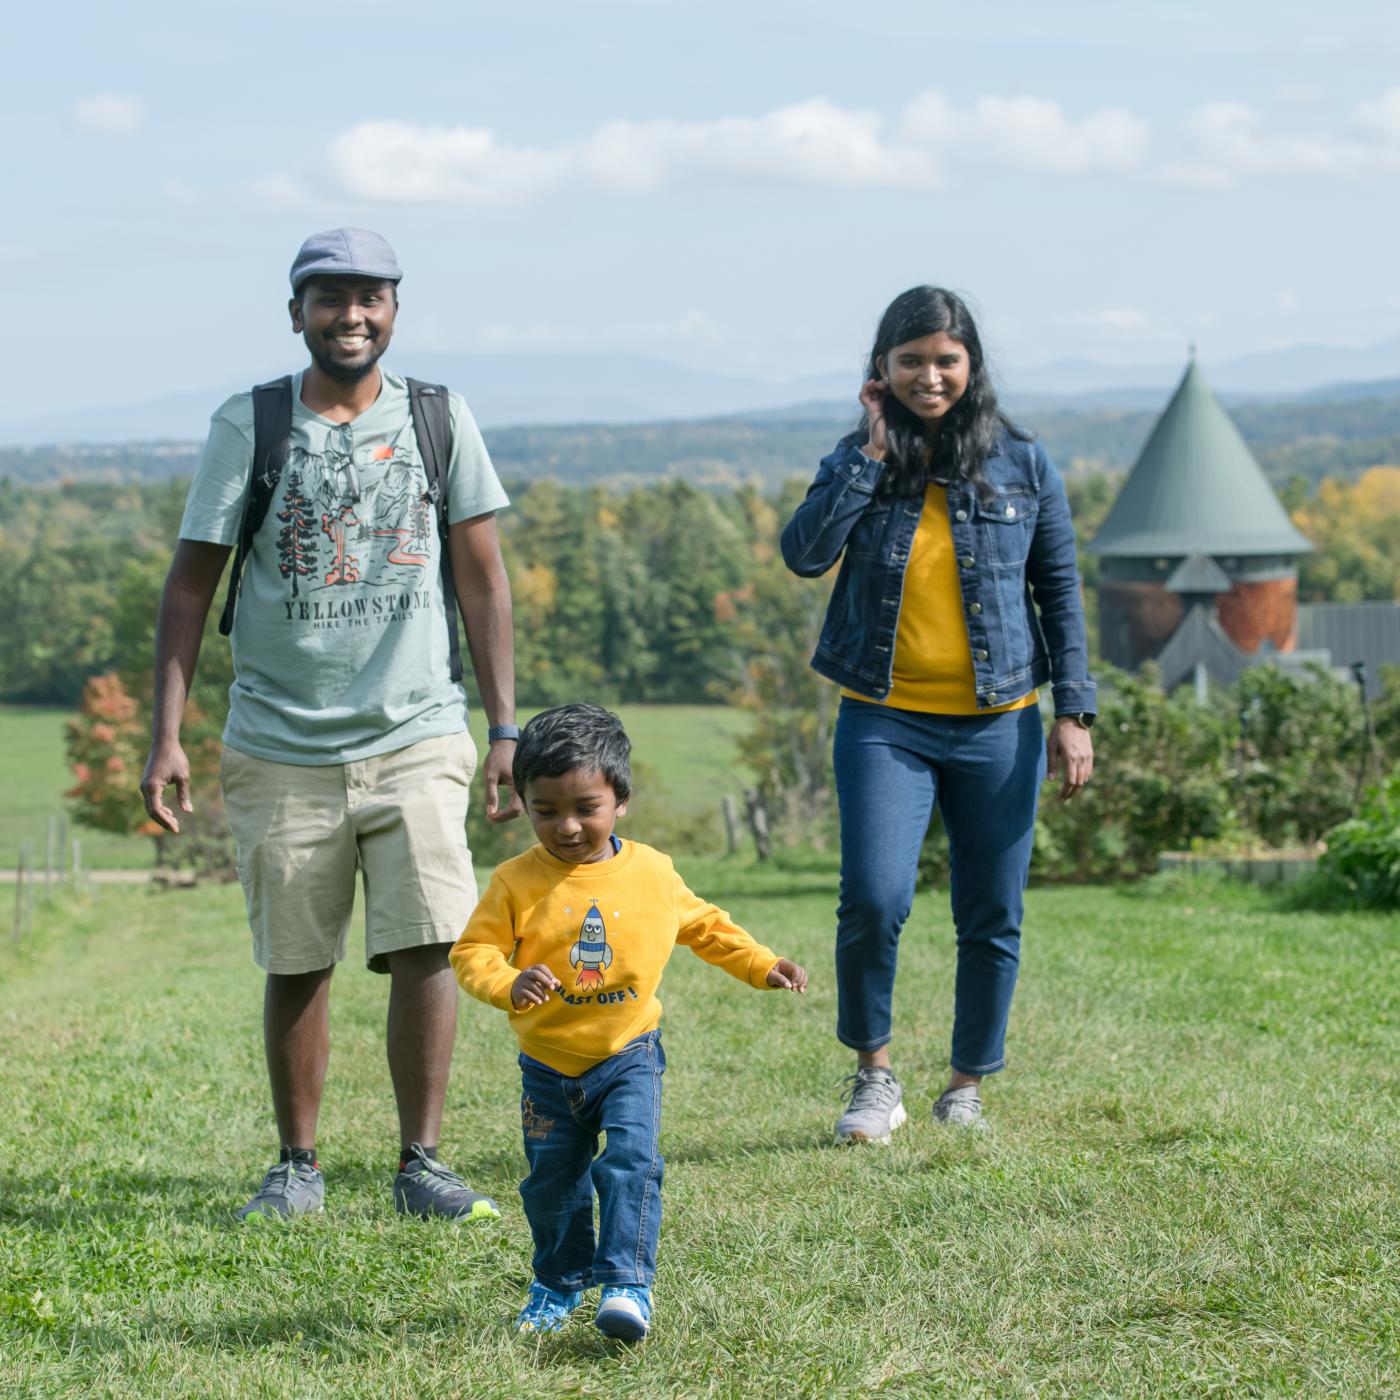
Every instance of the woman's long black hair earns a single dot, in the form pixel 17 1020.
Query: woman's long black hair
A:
pixel 971 429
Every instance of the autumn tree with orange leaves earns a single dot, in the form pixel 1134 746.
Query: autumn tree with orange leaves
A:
pixel 106 746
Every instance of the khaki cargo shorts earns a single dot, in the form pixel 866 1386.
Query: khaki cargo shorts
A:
pixel 302 832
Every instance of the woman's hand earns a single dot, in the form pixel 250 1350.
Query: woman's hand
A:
pixel 533 986
pixel 1069 748
pixel 872 399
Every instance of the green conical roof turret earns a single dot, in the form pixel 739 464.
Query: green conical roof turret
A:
pixel 1196 489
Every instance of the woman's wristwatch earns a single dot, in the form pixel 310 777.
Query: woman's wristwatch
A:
pixel 502 731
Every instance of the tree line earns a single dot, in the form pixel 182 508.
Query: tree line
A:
pixel 621 592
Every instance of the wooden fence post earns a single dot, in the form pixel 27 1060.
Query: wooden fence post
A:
pixel 19 895
pixel 758 823
pixel 730 808
pixel 49 853
pixel 62 848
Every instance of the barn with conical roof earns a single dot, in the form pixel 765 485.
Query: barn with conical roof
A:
pixel 1196 526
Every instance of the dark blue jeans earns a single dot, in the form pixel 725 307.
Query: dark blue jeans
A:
pixel 562 1118
pixel 985 772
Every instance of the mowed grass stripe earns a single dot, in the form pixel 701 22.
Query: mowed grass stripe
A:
pixel 1189 1188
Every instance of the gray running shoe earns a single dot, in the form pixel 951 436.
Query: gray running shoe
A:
pixel 289 1188
pixel 960 1107
pixel 874 1107
pixel 425 1187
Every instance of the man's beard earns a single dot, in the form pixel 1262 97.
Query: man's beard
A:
pixel 341 372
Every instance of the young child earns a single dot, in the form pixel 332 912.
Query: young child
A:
pixel 571 939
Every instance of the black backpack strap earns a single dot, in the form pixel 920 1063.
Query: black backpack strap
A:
pixel 272 431
pixel 432 425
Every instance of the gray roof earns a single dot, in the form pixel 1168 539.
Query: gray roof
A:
pixel 1198 573
pixel 1368 632
pixel 1200 638
pixel 1196 489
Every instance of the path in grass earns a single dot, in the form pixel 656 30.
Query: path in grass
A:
pixel 685 753
pixel 1190 1187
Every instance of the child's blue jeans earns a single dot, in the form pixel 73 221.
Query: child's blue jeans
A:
pixel 984 771
pixel 562 1119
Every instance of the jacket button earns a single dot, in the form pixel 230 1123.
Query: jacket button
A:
pixel 1010 511
pixel 960 516
pixel 856 468
pixel 981 655
pixel 975 609
pixel 968 561
pixel 992 698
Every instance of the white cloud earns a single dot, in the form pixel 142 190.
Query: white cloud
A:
pixel 398 162
pixel 808 143
pixel 108 114
pixel 1379 121
pixel 1027 133
pixel 812 142
pixel 1228 141
pixel 934 143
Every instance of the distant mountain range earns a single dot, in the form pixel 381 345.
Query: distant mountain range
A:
pixel 620 387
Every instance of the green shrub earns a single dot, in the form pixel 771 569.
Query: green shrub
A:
pixel 1363 855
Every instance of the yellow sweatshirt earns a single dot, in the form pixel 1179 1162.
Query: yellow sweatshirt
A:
pixel 606 930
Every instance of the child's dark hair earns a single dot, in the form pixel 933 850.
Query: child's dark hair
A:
pixel 557 741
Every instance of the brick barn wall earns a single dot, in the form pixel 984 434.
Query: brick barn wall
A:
pixel 1252 612
pixel 1136 620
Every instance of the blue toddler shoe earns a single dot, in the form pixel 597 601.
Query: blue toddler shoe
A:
pixel 624 1312
pixel 545 1310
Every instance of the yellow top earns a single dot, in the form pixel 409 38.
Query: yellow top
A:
pixel 606 930
pixel 933 670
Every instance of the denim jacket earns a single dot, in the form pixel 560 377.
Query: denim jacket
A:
pixel 1016 564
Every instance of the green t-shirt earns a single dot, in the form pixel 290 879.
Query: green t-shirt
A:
pixel 340 637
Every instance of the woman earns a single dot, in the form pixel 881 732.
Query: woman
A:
pixel 958 596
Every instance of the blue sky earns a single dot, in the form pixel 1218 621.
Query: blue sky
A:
pixel 731 186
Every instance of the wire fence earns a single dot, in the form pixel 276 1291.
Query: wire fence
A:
pixel 42 868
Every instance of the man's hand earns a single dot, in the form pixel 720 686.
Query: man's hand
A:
pixel 167 764
pixel 533 986
pixel 496 774
pixel 787 974
pixel 1069 747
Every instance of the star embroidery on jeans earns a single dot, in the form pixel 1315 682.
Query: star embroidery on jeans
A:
pixel 536 1125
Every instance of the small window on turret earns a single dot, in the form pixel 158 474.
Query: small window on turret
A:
pixel 1160 565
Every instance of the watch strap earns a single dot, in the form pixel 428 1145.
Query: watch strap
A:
pixel 502 731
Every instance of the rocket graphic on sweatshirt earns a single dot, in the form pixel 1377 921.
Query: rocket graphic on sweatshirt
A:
pixel 590 953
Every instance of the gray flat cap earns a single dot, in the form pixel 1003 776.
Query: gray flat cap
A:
pixel 345 252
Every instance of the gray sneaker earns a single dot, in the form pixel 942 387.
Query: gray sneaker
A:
pixel 960 1107
pixel 425 1187
pixel 289 1188
pixel 874 1107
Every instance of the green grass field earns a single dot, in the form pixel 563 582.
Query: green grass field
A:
pixel 680 750
pixel 1189 1187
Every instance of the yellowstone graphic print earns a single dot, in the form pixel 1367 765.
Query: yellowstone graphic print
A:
pixel 590 953
pixel 372 523
pixel 355 537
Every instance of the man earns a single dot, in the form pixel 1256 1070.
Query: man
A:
pixel 346 745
